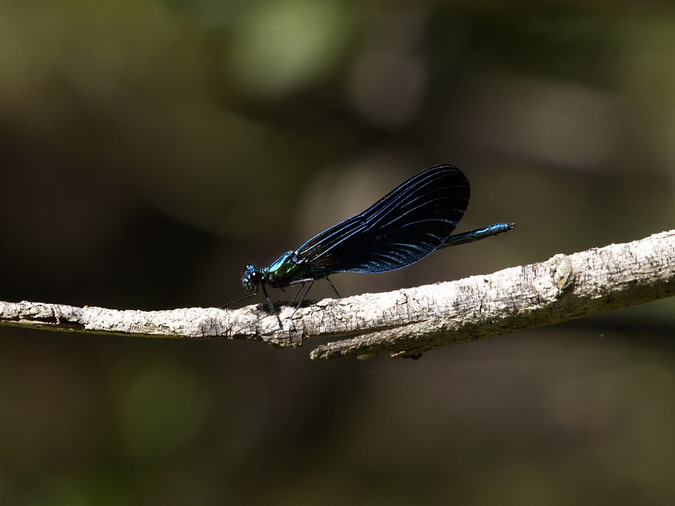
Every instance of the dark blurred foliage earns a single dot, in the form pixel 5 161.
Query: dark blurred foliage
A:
pixel 149 149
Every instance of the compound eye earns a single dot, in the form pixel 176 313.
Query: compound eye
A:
pixel 252 277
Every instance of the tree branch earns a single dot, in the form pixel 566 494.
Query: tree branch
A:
pixel 407 322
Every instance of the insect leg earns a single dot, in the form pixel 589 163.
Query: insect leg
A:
pixel 298 292
pixel 271 305
pixel 333 287
pixel 240 299
pixel 302 299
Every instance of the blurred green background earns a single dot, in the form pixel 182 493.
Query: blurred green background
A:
pixel 149 149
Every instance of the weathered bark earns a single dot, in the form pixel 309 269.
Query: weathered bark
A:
pixel 405 322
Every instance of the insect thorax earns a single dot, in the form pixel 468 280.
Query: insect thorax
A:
pixel 285 270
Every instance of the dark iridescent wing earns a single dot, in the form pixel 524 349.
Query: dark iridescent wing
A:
pixel 403 227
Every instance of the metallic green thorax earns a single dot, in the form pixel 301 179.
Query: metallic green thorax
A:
pixel 285 270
